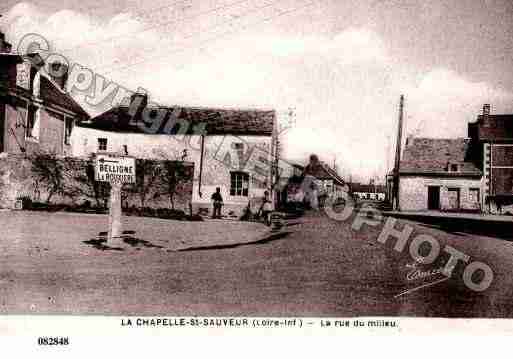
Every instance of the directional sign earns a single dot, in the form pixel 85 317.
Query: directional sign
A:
pixel 115 169
pixel 23 75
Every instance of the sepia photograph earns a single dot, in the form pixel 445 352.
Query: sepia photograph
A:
pixel 256 163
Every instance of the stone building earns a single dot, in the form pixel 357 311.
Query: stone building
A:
pixel 36 116
pixel 436 174
pixel 232 149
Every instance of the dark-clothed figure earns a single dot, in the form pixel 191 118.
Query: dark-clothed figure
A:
pixel 217 200
pixel 266 209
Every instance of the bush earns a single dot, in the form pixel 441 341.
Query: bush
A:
pixel 85 208
pixel 164 213
pixel 39 206
pixel 167 213
pixel 148 212
pixel 194 218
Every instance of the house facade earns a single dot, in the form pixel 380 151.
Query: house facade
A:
pixel 231 149
pixel 437 174
pixel 37 116
pixel 36 113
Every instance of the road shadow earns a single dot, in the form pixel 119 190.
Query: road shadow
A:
pixel 461 226
pixel 265 240
pixel 99 243
pixel 127 237
pixel 136 242
pixel 448 230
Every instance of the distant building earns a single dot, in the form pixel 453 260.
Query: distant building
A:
pixel 374 192
pixel 317 182
pixel 327 179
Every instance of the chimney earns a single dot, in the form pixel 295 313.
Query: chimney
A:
pixel 486 115
pixel 138 102
pixel 59 73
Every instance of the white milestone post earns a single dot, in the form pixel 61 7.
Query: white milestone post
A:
pixel 116 171
pixel 115 227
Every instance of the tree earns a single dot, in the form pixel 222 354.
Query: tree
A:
pixel 175 174
pixel 83 182
pixel 172 180
pixel 48 171
pixel 147 177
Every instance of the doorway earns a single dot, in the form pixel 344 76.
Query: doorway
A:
pixel 454 198
pixel 434 197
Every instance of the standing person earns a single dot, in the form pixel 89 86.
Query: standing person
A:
pixel 266 209
pixel 217 200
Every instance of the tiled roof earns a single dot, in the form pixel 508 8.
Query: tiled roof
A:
pixel 217 121
pixel 323 171
pixel 52 94
pixel 49 92
pixel 435 155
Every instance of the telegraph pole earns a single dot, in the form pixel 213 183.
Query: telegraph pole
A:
pixel 398 156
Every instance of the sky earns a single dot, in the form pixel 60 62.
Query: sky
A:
pixel 340 65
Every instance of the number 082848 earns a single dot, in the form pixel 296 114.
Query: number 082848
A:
pixel 53 340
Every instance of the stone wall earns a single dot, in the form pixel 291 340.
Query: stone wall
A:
pixel 413 194
pixel 18 178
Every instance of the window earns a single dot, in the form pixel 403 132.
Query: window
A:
pixel 239 184
pixel 102 144
pixel 32 125
pixel 453 167
pixel 68 127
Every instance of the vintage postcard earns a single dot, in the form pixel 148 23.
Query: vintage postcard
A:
pixel 294 166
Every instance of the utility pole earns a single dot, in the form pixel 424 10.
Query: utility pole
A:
pixel 395 197
pixel 389 147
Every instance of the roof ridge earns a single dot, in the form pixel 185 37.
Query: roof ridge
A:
pixel 211 108
pixel 440 138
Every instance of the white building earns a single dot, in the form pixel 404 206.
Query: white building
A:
pixel 231 149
